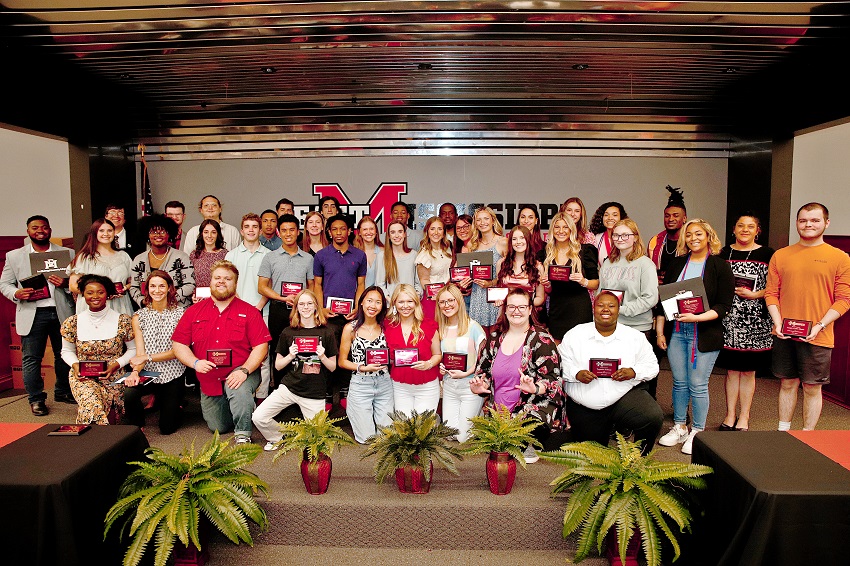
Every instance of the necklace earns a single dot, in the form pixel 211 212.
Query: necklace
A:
pixel 156 257
pixel 97 318
pixel 666 242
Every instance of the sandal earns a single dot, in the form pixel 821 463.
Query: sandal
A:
pixel 726 427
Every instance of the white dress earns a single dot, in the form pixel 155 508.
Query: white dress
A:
pixel 117 267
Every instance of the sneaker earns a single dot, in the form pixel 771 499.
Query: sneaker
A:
pixel 530 454
pixel 243 440
pixel 677 435
pixel 688 446
pixel 270 446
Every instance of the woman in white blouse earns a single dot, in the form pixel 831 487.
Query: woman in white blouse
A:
pixel 399 261
pixel 433 262
pixel 100 256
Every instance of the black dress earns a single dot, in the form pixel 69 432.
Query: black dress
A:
pixel 569 302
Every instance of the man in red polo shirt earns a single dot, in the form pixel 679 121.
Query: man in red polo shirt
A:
pixel 225 340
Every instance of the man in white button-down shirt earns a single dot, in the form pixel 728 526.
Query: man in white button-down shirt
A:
pixel 606 367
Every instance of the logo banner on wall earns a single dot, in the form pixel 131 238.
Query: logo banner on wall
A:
pixel 379 206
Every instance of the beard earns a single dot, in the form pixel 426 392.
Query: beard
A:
pixel 223 295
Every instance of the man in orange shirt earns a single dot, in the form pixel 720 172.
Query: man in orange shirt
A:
pixel 808 287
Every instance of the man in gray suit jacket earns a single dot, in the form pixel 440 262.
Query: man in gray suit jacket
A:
pixel 38 320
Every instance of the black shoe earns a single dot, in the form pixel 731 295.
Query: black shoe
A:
pixel 64 398
pixel 39 409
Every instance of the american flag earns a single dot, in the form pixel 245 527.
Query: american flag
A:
pixel 147 197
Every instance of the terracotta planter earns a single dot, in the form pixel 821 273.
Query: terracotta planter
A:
pixel 501 472
pixel 412 480
pixel 316 475
pixel 189 555
pixel 612 552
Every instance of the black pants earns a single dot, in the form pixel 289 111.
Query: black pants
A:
pixel 652 386
pixel 169 398
pixel 340 378
pixel 278 321
pixel 636 410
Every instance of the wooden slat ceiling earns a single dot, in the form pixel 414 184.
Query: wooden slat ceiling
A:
pixel 231 78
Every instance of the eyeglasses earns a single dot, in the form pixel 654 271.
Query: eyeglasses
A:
pixel 620 237
pixel 515 308
pixel 155 231
pixel 115 212
pixel 461 226
pixel 447 302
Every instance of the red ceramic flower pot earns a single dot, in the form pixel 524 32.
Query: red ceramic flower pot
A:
pixel 411 479
pixel 612 551
pixel 501 472
pixel 190 555
pixel 316 475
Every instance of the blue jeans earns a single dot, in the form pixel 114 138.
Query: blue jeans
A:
pixel 233 410
pixel 689 383
pixel 370 402
pixel 44 326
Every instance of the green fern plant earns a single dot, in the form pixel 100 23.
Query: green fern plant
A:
pixel 500 431
pixel 620 487
pixel 318 435
pixel 164 497
pixel 414 441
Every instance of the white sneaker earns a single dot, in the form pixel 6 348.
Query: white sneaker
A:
pixel 677 435
pixel 242 440
pixel 688 446
pixel 270 446
pixel 530 455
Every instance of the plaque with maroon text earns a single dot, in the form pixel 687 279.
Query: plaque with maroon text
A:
pixel 431 290
pixel 307 344
pixel 795 328
pixel 290 288
pixel 339 305
pixel 221 357
pixel 119 288
pixel 405 357
pixel 690 305
pixel 482 272
pixel 377 356
pixel 616 292
pixel 604 367
pixel 93 368
pixel 38 284
pixel 202 292
pixel 496 294
pixel 454 360
pixel 745 282
pixel 559 272
pixel 460 273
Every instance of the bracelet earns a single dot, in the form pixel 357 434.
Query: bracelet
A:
pixel 822 325
pixel 195 365
pixel 150 359
pixel 358 368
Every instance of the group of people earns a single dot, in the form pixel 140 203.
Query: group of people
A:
pixel 272 313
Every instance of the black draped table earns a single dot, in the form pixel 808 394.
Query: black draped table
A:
pixel 55 491
pixel 774 498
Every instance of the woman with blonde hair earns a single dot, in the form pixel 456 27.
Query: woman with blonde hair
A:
pixel 459 336
pixel 569 301
pixel 369 240
pixel 399 261
pixel 693 341
pixel 433 261
pixel 414 345
pixel 486 237
pixel 314 238
pixel 574 207
pixel 306 364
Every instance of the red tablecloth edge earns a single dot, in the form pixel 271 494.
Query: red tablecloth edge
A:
pixel 834 444
pixel 10 432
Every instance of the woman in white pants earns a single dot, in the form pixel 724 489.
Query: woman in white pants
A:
pixel 459 336
pixel 306 368
pixel 414 352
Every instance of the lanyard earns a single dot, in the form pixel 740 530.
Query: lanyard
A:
pixel 696 328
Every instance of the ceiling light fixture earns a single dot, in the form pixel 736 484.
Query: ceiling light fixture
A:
pixel 581 66
pixel 731 70
pixel 425 66
pixel 269 70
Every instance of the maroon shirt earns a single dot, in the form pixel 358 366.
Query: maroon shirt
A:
pixel 240 327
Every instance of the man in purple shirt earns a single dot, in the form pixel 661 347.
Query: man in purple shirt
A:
pixel 339 271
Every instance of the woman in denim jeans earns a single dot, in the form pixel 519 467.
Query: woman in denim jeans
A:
pixel 459 334
pixel 370 395
pixel 693 341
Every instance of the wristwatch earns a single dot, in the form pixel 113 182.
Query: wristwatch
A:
pixel 822 325
pixel 243 368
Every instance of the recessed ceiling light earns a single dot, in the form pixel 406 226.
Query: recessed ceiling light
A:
pixel 425 66
pixel 581 66
pixel 269 70
pixel 124 76
pixel 731 70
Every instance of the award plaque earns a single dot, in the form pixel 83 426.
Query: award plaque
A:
pixel 307 344
pixel 143 287
pixel 119 288
pixel 38 283
pixel 460 273
pixel 289 288
pixel 617 293
pixel 202 292
pixel 377 356
pixel 559 272
pixel 221 357
pixel 690 305
pixel 92 368
pixel 338 305
pixel 603 367
pixel 50 263
pixel 496 294
pixel 794 328
pixel 405 357
pixel 745 282
pixel 456 361
pixel 145 377
pixel 69 430
pixel 482 272
pixel 431 290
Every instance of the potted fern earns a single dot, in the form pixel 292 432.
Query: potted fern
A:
pixel 316 439
pixel 618 486
pixel 504 436
pixel 165 497
pixel 408 448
